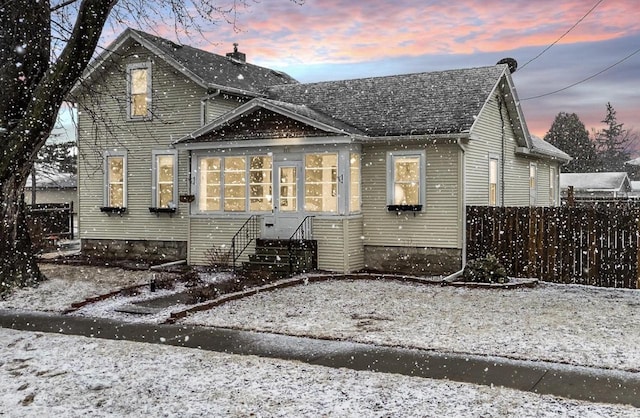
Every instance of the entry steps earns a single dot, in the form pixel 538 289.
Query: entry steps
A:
pixel 283 257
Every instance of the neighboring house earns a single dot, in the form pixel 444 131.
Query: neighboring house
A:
pixel 192 144
pixel 52 188
pixel 635 190
pixel 594 186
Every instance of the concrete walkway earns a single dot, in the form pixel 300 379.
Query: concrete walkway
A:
pixel 597 385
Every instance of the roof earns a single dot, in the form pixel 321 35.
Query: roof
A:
pixel 591 182
pixel 441 102
pixel 45 180
pixel 635 161
pixel 205 68
pixel 540 146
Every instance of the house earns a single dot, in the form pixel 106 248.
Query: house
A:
pixel 52 188
pixel 595 186
pixel 181 149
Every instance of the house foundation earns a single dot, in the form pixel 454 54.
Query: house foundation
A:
pixel 411 260
pixel 148 250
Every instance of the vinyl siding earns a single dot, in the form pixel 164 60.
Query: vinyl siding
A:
pixel 486 140
pixel 439 225
pixel 219 105
pixel 176 112
pixel 353 236
pixel 205 233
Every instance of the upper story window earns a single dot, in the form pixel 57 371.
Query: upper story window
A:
pixel 164 179
pixel 406 178
pixel 321 182
pixel 115 187
pixel 139 90
pixel 493 181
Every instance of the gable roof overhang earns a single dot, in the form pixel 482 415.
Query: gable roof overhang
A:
pixel 332 130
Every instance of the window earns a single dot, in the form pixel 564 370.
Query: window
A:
pixel 493 181
pixel 115 179
pixel 553 178
pixel 406 173
pixel 321 183
pixel 260 184
pixel 139 88
pixel 533 184
pixel 355 200
pixel 235 184
pixel 164 179
pixel 210 184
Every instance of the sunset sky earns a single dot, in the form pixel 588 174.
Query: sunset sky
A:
pixel 343 39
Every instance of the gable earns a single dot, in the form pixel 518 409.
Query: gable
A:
pixel 260 123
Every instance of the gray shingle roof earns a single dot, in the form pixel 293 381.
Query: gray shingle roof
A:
pixel 590 182
pixel 216 69
pixel 411 104
pixel 543 147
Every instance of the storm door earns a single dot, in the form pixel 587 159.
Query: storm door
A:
pixel 287 203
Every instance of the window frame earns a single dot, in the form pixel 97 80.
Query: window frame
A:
pixel 422 186
pixel 155 178
pixel 553 186
pixel 354 206
pixel 533 188
pixel 339 178
pixel 223 185
pixel 496 159
pixel 130 68
pixel 106 195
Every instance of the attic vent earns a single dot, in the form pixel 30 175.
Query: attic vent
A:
pixel 237 56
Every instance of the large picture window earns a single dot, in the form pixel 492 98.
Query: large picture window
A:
pixel 164 179
pixel 406 175
pixel 235 184
pixel 139 88
pixel 321 183
pixel 115 180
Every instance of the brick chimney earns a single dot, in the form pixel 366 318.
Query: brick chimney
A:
pixel 237 55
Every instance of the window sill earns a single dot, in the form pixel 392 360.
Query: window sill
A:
pixel 404 208
pixel 158 211
pixel 113 209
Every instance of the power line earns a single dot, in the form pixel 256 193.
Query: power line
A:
pixel 585 79
pixel 563 35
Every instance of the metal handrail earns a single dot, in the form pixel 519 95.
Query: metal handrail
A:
pixel 249 231
pixel 300 234
pixel 305 226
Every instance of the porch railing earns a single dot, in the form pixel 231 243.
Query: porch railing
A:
pixel 302 233
pixel 249 231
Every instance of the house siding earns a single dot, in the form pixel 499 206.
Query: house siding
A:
pixel 438 225
pixel 176 112
pixel 207 233
pixel 487 140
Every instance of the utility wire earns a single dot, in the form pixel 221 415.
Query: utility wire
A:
pixel 585 79
pixel 563 35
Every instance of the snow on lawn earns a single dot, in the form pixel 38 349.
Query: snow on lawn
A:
pixel 69 284
pixel 578 325
pixel 69 376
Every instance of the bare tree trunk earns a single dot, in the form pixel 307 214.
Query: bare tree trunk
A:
pixel 33 90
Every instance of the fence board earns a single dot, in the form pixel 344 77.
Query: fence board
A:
pixel 591 244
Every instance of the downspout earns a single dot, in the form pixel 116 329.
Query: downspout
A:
pixel 502 139
pixel 453 277
pixel 203 106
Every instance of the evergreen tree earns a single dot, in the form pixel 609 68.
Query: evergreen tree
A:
pixel 613 142
pixel 569 134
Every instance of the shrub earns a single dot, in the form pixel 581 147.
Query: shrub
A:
pixel 485 270
pixel 218 258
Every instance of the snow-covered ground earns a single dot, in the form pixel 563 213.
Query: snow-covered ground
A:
pixel 73 376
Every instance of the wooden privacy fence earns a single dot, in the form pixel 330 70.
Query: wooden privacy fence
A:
pixel 594 245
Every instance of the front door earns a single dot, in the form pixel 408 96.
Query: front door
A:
pixel 287 202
